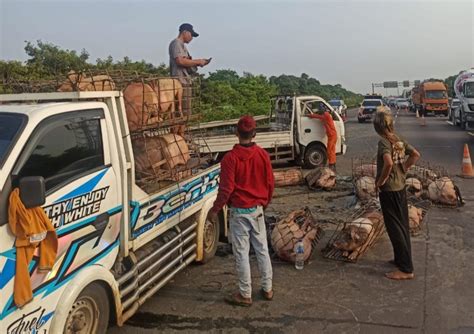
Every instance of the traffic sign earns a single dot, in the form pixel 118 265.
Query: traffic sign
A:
pixel 390 84
pixel 406 83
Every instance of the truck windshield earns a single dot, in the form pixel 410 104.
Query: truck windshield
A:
pixel 10 127
pixel 469 90
pixel 368 103
pixel 436 94
pixel 335 103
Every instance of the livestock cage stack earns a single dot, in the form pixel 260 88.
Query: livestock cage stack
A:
pixel 161 111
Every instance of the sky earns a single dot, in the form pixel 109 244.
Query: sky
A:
pixel 353 43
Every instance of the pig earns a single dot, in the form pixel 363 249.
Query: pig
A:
pixel 358 234
pixel 321 177
pixel 365 188
pixel 366 170
pixel 80 82
pixel 414 187
pixel 415 216
pixel 442 191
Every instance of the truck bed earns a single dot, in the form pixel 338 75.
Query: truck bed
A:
pixel 266 139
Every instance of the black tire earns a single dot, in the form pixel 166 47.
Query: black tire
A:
pixel 361 120
pixel 315 156
pixel 210 240
pixel 91 310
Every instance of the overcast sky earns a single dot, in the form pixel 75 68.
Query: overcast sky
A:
pixel 350 42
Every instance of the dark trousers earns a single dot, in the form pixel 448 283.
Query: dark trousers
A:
pixel 395 215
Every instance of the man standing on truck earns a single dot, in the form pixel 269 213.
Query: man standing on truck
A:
pixel 324 115
pixel 246 186
pixel 182 65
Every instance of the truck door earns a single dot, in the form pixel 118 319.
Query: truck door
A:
pixel 312 130
pixel 71 152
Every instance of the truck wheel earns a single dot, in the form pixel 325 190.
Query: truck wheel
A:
pixel 211 238
pixel 315 156
pixel 90 312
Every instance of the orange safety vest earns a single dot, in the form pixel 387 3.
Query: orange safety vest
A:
pixel 32 228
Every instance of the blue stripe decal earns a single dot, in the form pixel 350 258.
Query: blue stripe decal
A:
pixel 7 273
pixel 135 213
pixel 85 188
pixel 85 222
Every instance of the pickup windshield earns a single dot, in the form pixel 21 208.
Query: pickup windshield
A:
pixel 10 128
pixel 373 103
pixel 335 103
pixel 436 94
pixel 469 90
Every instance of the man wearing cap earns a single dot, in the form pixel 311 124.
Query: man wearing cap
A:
pixel 181 63
pixel 246 186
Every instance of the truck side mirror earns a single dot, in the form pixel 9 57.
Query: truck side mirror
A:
pixel 32 191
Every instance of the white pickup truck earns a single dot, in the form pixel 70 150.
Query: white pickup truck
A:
pixel 117 244
pixel 290 133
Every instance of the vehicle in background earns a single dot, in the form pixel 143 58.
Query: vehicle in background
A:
pixel 290 135
pixel 464 89
pixel 340 107
pixel 402 104
pixel 415 98
pixel 392 102
pixel 431 97
pixel 453 114
pixel 367 109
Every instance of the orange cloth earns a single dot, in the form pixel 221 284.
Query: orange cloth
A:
pixel 331 132
pixel 32 228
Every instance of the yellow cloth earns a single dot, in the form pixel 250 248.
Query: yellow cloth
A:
pixel 32 228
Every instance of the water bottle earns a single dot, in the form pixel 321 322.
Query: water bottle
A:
pixel 299 255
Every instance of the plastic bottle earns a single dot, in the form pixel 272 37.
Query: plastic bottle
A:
pixel 299 255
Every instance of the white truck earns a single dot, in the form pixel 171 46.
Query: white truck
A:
pixel 117 244
pixel 464 89
pixel 290 135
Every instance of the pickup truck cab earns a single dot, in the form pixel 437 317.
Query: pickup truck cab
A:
pixel 117 243
pixel 367 109
pixel 290 135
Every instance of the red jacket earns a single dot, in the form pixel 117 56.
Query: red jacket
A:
pixel 246 178
pixel 328 123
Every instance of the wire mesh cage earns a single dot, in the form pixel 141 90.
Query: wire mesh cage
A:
pixel 355 236
pixel 417 211
pixel 363 166
pixel 159 111
pixel 297 225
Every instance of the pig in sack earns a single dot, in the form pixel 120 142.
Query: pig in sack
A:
pixel 415 217
pixel 358 235
pixel 298 225
pixel 321 178
pixel 414 187
pixel 365 170
pixel 443 191
pixel 365 188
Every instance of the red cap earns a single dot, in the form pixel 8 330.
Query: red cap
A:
pixel 246 124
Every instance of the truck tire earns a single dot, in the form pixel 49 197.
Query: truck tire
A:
pixel 90 312
pixel 211 235
pixel 315 156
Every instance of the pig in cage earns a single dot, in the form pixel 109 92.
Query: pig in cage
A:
pixel 159 111
pixel 355 236
pixel 297 225
pixel 417 211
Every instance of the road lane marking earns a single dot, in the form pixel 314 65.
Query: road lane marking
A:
pixel 470 134
pixel 450 123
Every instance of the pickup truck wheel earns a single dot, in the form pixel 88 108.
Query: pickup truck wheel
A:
pixel 211 238
pixel 315 156
pixel 90 312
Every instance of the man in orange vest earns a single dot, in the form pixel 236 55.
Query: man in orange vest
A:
pixel 325 116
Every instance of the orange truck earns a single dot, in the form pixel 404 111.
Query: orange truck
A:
pixel 431 97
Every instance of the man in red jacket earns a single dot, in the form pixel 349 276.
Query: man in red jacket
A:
pixel 246 186
pixel 325 116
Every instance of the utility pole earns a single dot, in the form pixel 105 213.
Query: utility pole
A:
pixel 373 89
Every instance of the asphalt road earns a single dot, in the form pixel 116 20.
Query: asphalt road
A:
pixel 335 297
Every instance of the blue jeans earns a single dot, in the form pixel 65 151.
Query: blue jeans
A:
pixel 247 226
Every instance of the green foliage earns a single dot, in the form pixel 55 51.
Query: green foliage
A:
pixel 224 93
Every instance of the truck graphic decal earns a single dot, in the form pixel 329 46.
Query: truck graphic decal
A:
pixel 168 205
